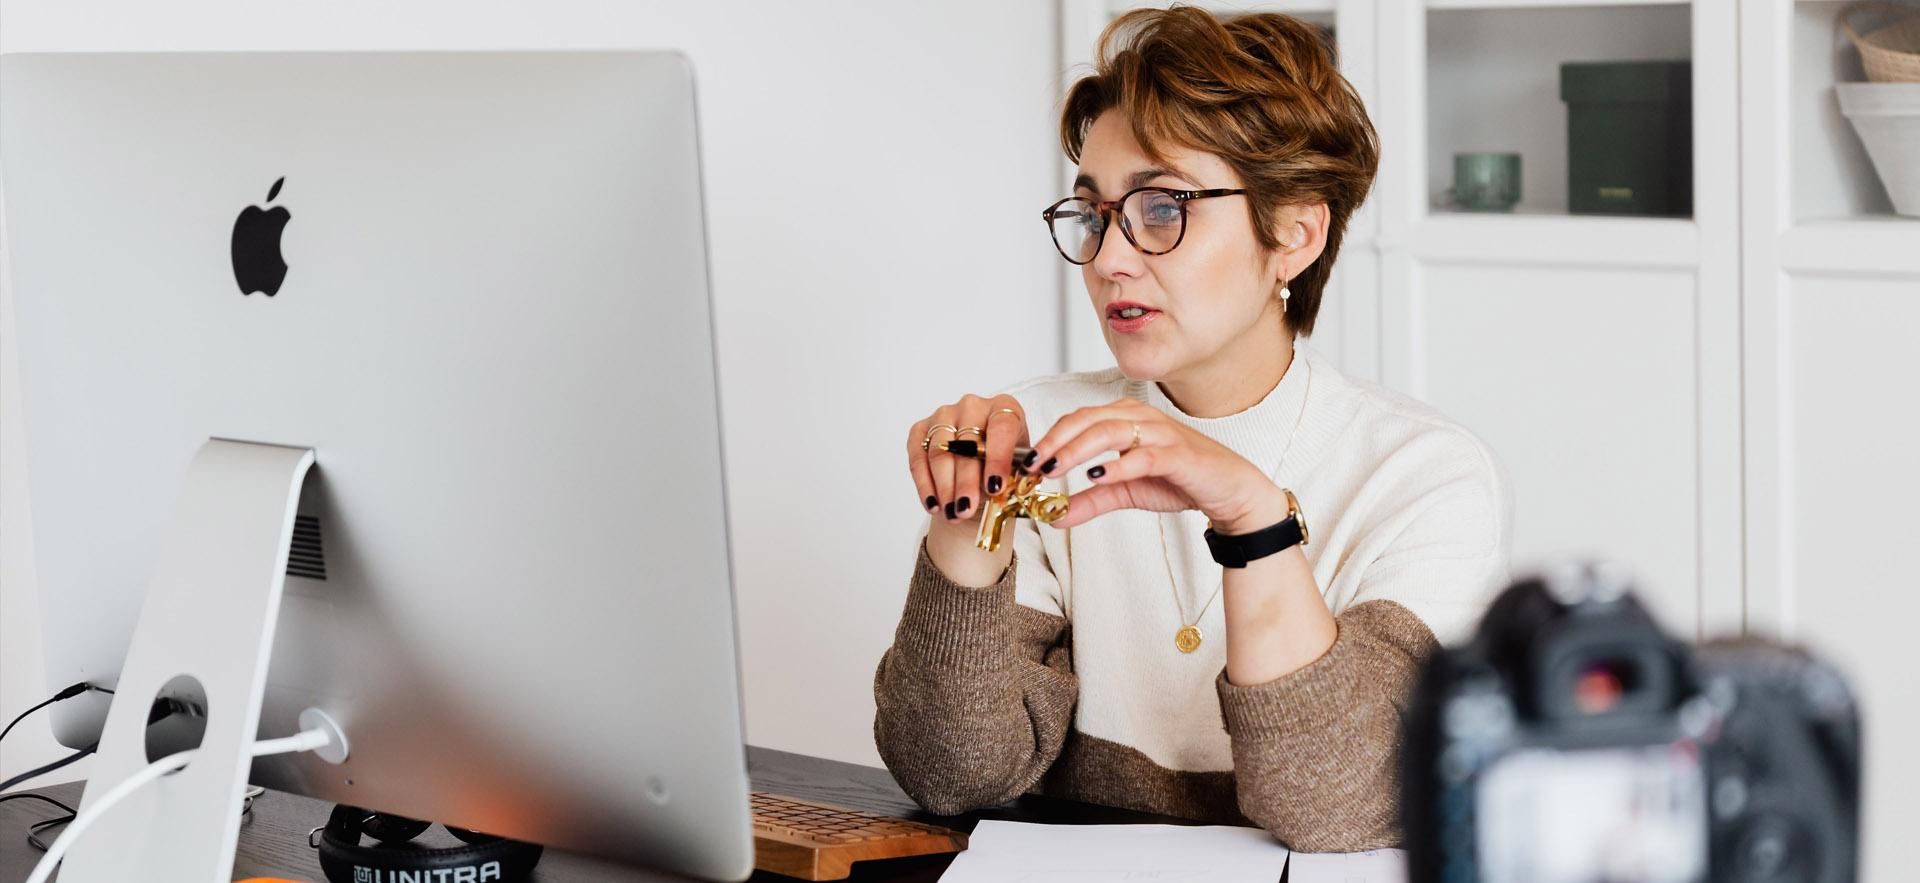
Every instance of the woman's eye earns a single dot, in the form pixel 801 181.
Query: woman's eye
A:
pixel 1163 212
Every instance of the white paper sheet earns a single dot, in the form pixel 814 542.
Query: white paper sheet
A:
pixel 1378 866
pixel 1019 852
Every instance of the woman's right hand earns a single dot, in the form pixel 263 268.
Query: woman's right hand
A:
pixel 953 488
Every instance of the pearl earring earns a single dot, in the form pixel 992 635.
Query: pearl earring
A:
pixel 1284 291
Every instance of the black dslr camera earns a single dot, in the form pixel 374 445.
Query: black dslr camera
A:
pixel 1572 742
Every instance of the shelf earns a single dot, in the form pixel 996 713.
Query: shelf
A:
pixel 1888 245
pixel 1493 79
pixel 1558 240
pixel 1832 174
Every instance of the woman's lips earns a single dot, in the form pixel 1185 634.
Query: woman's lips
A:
pixel 1129 326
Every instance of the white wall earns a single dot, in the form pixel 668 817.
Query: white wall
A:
pixel 842 318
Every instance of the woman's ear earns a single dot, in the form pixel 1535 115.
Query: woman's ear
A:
pixel 1303 236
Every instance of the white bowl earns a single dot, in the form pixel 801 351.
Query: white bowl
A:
pixel 1887 116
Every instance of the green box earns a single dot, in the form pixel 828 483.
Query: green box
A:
pixel 1629 137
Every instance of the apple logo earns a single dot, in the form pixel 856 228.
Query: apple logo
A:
pixel 257 264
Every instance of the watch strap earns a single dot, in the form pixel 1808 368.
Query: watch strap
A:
pixel 1235 550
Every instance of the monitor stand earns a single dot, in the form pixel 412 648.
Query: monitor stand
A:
pixel 209 614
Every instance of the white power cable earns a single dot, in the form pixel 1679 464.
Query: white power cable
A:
pixel 306 740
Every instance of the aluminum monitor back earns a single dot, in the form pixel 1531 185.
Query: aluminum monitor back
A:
pixel 493 327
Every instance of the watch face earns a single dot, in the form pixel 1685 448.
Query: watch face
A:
pixel 1293 509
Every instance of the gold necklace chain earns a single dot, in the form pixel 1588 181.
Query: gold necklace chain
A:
pixel 1188 638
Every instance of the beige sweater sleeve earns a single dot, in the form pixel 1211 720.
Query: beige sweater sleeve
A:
pixel 1315 752
pixel 975 697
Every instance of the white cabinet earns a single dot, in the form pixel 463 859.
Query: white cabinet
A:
pixel 1831 335
pixel 1598 356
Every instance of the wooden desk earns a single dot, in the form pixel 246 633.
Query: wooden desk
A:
pixel 273 842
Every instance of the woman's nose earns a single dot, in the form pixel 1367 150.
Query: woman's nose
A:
pixel 1116 257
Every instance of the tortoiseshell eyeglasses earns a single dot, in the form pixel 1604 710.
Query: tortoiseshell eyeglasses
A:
pixel 1154 219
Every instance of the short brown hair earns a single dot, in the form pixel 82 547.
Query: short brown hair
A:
pixel 1259 90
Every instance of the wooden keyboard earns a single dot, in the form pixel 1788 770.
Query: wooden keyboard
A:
pixel 816 841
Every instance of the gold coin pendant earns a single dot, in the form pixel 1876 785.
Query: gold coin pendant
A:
pixel 1187 639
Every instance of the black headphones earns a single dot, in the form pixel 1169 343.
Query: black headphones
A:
pixel 394 858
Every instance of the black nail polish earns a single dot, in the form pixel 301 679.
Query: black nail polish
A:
pixel 949 510
pixel 1029 460
pixel 993 484
pixel 932 502
pixel 1048 466
pixel 964 503
pixel 1096 472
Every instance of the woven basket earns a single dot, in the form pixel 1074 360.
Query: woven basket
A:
pixel 1890 52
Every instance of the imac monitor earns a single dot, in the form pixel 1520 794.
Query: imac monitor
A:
pixel 475 285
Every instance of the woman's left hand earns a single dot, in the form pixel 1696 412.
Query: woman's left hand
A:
pixel 1174 468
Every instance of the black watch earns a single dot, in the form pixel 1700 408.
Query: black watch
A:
pixel 1235 550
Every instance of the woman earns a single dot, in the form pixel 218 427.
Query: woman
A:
pixel 1115 656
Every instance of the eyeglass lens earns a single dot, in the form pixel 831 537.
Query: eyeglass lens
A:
pixel 1152 220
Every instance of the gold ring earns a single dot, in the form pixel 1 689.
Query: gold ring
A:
pixel 1016 414
pixel 1136 438
pixel 927 442
pixel 966 429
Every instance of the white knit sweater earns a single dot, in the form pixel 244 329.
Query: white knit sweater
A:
pixel 1402 505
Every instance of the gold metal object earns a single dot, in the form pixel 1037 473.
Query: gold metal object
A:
pixel 927 442
pixel 1293 511
pixel 1023 499
pixel 1188 638
pixel 1136 438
